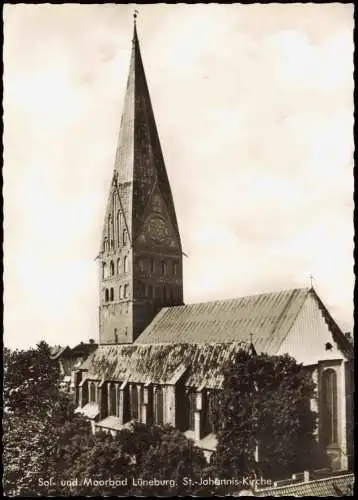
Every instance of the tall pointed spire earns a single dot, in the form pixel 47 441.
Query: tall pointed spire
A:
pixel 139 157
pixel 141 254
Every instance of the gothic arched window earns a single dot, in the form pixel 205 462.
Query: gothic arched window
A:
pixel 115 336
pixel 104 270
pixel 124 236
pixel 120 292
pixel 158 407
pixel 118 266
pixel 164 267
pixel 126 291
pixel 112 410
pixel 106 295
pixel 112 267
pixel 112 294
pixel 92 392
pixel 134 402
pixel 191 401
pixel 125 264
pixel 152 265
pixel 329 402
pixel 105 244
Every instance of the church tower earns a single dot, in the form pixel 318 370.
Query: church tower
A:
pixel 141 254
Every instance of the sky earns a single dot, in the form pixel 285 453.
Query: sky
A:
pixel 254 107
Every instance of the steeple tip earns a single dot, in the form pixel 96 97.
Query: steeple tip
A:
pixel 135 15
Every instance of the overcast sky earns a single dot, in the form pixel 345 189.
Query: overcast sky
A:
pixel 254 106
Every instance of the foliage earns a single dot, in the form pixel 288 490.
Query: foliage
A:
pixel 138 453
pixel 36 411
pixel 31 383
pixel 45 440
pixel 27 446
pixel 265 402
pixel 169 457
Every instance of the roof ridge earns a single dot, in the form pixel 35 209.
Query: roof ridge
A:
pixel 285 310
pixel 230 299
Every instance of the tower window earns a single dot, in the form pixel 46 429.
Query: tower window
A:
pixel 125 264
pixel 141 265
pixel 112 244
pixel 175 267
pixel 124 236
pixel 115 336
pixel 120 294
pixel 112 295
pixel 118 266
pixel 112 267
pixel 107 295
pixel 164 267
pixel 141 289
pixel 126 290
pixel 105 244
pixel 329 414
pixel 152 265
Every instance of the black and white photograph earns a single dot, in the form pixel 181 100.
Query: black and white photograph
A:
pixel 178 250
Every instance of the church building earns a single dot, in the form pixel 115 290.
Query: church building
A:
pixel 158 359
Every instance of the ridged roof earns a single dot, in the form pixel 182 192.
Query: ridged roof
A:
pixel 328 487
pixel 267 317
pixel 162 363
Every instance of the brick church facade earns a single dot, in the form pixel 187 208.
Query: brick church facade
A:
pixel 159 360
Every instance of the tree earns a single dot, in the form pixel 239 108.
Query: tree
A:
pixel 135 455
pixel 169 458
pixel 265 407
pixel 44 438
pixel 35 412
pixel 31 383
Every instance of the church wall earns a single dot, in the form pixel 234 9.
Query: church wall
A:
pixel 349 374
pixel 309 329
pixel 116 318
